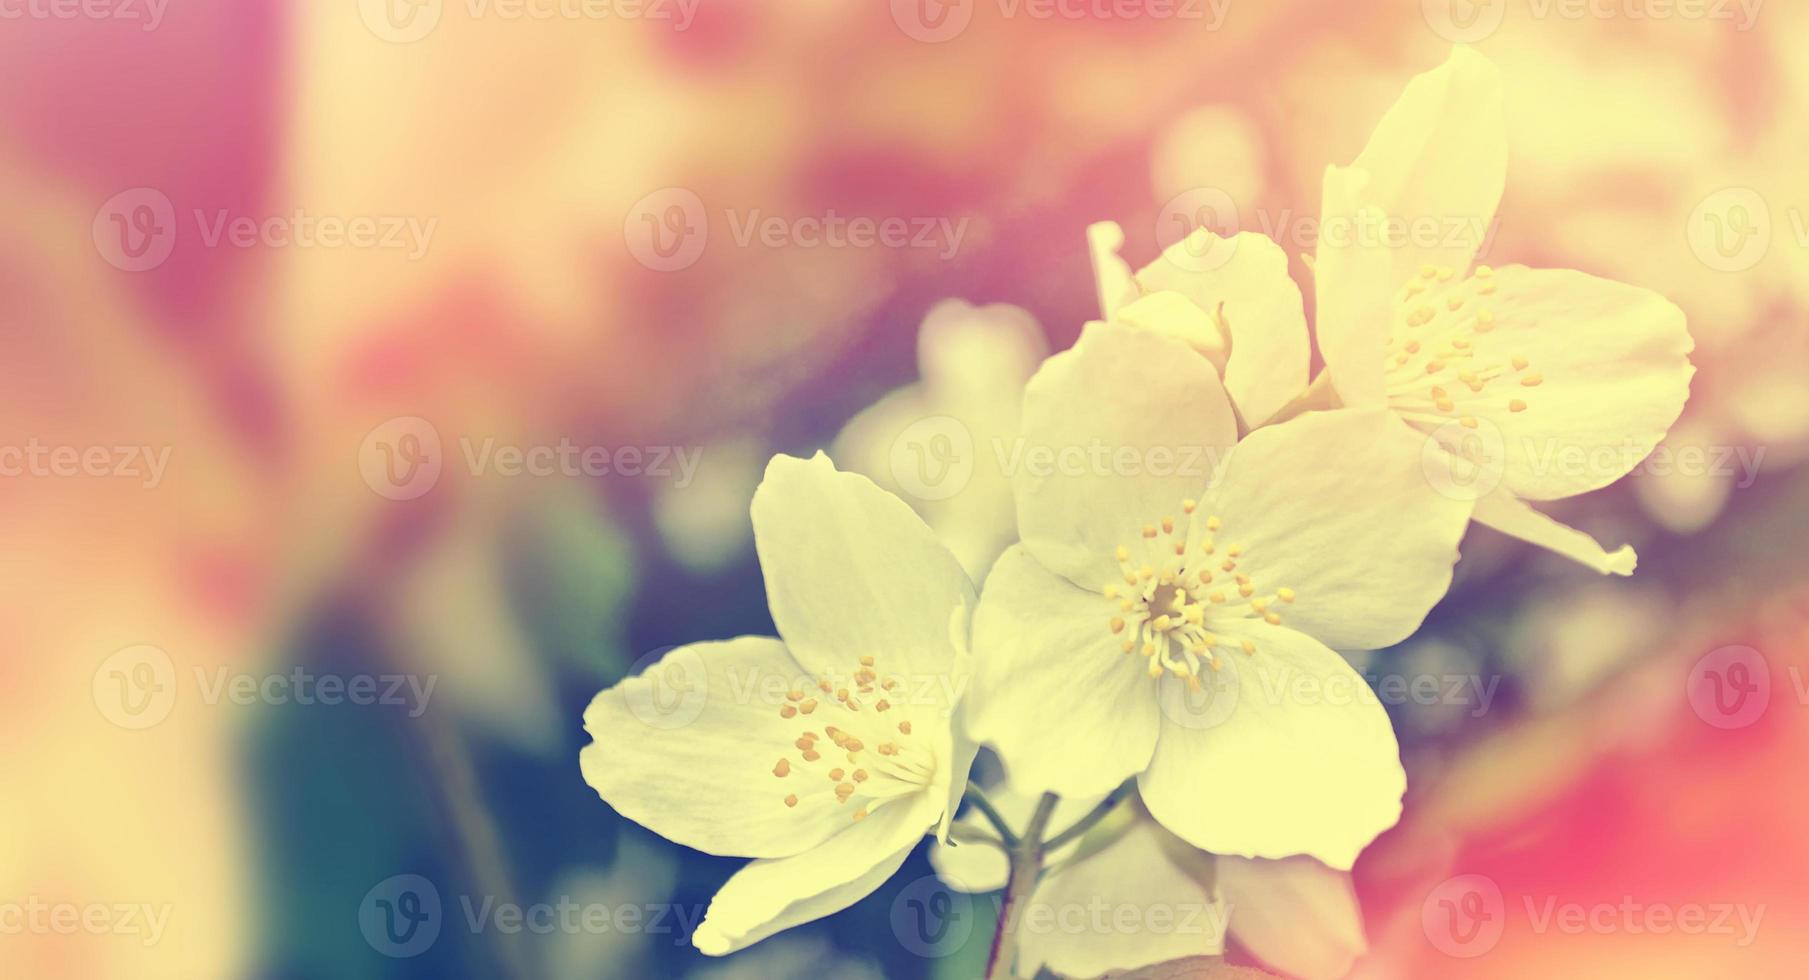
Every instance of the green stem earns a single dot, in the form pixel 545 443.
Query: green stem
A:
pixel 1026 865
pixel 977 797
pixel 1093 816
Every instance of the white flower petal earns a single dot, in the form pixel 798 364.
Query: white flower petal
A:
pixel 1439 156
pixel 1111 274
pixel 1516 518
pixel 769 896
pixel 1117 432
pixel 1259 305
pixel 1336 507
pixel 1612 367
pixel 1305 762
pixel 975 354
pixel 1354 286
pixel 851 571
pixel 1052 693
pixel 688 747
pixel 1433 171
pixel 1295 915
pixel 1128 905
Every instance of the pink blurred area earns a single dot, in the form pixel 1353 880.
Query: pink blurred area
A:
pixel 531 146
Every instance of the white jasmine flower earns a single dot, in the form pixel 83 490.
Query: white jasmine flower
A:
pixel 825 754
pixel 1128 595
pixel 1551 362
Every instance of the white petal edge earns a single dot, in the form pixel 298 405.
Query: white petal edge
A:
pixel 1516 518
pixel 770 896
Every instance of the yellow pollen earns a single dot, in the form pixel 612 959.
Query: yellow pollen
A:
pixel 904 727
pixel 1161 623
pixel 1273 619
pixel 835 775
pixel 1516 406
pixel 867 661
pixel 1168 525
pixel 782 768
pixel 1188 505
pixel 1531 380
pixel 1468 422
pixel 1216 597
pixel 1149 649
pixel 808 706
pixel 1421 316
pixel 1285 594
pixel 1246 589
pixel 882 705
pixel 1520 363
pixel 1124 554
pixel 1249 646
pixel 860 775
pixel 1212 524
pixel 1484 272
pixel 794 695
pixel 1149 530
pixel 812 755
pixel 1117 624
pixel 787 711
pixel 791 799
pixel 860 814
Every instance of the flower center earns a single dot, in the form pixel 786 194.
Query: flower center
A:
pixel 1437 358
pixel 858 739
pixel 1166 609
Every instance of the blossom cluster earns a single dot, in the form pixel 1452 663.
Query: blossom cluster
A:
pixel 1129 652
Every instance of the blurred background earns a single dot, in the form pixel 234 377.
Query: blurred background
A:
pixel 381 379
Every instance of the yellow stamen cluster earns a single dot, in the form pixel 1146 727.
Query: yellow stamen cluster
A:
pixel 1164 606
pixel 878 757
pixel 1436 368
